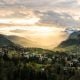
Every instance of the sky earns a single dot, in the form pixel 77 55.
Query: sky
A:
pixel 43 20
pixel 62 13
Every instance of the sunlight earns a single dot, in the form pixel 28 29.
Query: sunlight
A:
pixel 42 35
pixel 39 29
pixel 25 21
pixel 19 21
pixel 34 29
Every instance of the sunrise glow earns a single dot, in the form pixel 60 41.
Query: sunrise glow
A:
pixel 19 21
pixel 38 22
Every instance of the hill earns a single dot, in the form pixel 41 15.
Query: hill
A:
pixel 20 40
pixel 72 44
pixel 4 41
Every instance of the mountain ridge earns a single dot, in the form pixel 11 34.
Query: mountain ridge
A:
pixel 4 41
pixel 72 44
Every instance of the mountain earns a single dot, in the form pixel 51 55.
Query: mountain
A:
pixel 69 31
pixel 4 41
pixel 71 44
pixel 24 42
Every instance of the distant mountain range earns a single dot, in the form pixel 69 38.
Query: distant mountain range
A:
pixel 21 41
pixel 72 44
pixel 16 40
pixel 25 42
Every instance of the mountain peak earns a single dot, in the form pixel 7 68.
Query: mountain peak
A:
pixel 70 30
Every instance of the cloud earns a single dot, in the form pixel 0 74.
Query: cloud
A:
pixel 59 19
pixel 8 1
pixel 40 4
pixel 60 12
pixel 68 3
pixel 48 18
pixel 16 13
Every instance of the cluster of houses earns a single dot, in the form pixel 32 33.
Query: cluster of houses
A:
pixel 68 61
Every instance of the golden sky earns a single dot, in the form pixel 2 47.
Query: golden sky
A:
pixel 43 21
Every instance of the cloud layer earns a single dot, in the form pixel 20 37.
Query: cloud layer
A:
pixel 50 12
